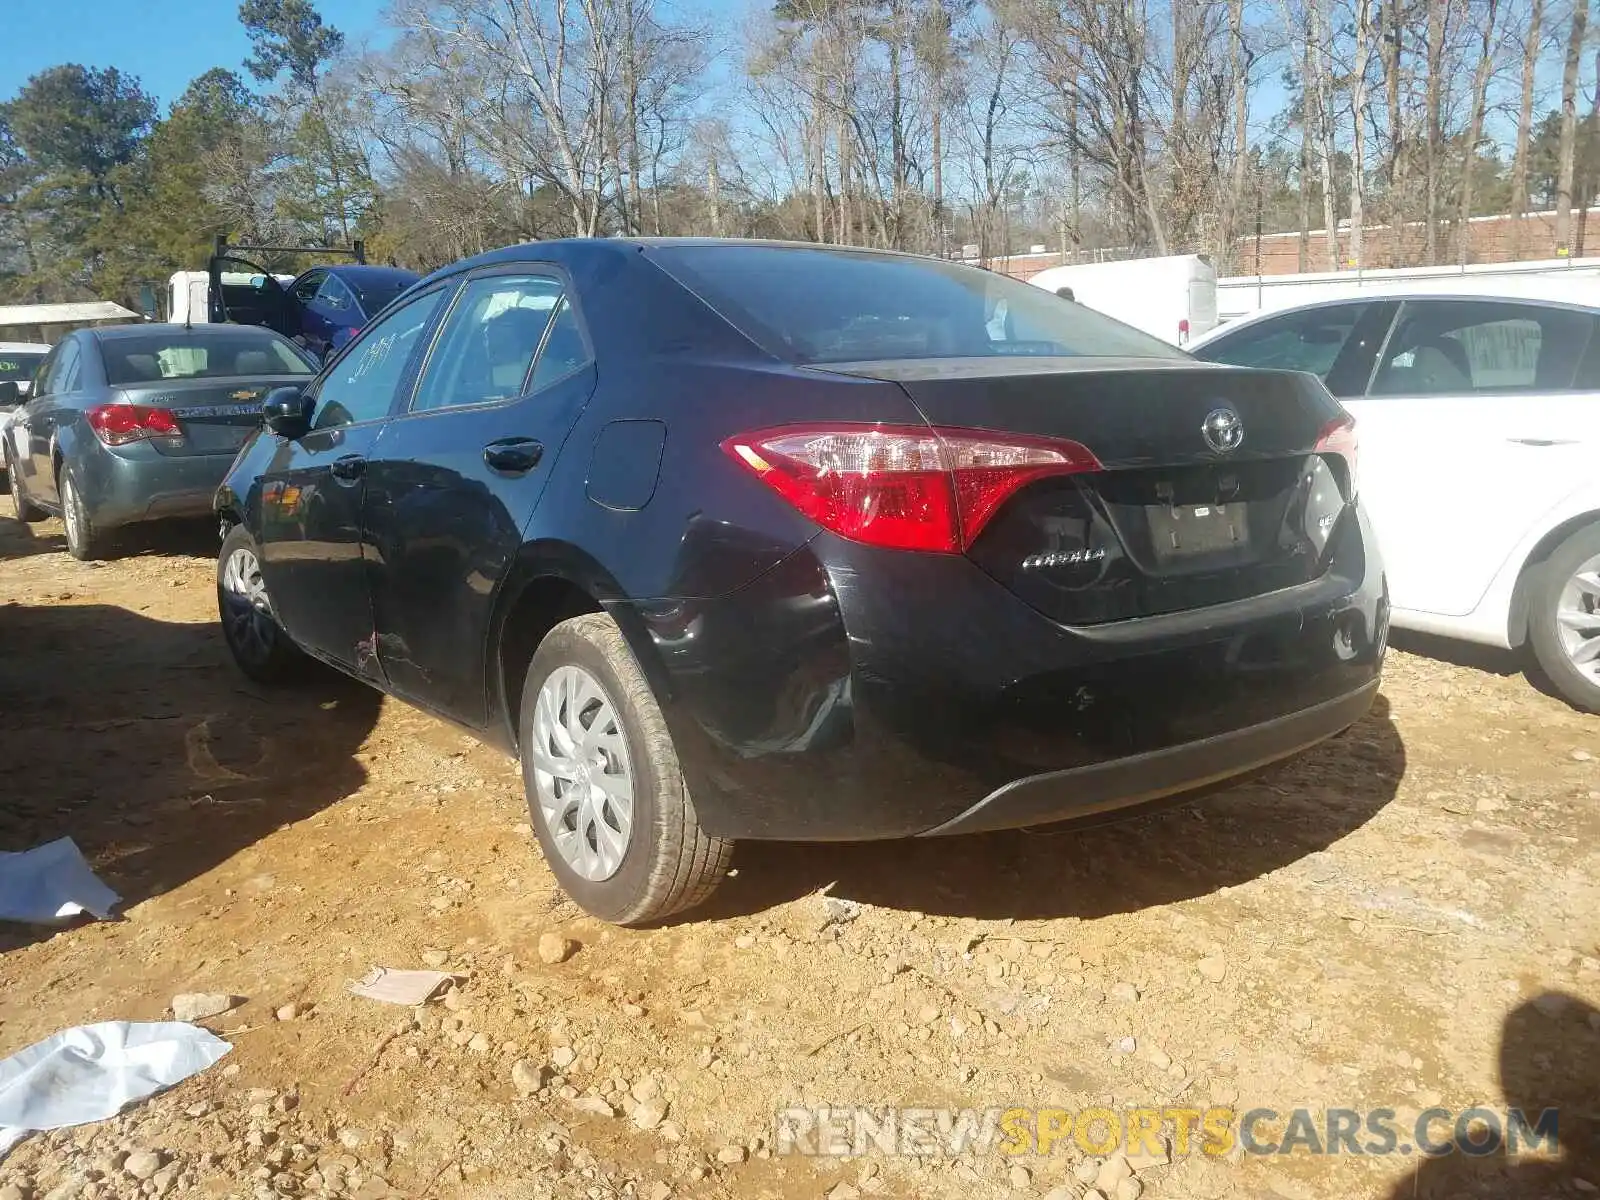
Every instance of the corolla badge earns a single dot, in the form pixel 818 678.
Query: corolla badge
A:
pixel 1223 430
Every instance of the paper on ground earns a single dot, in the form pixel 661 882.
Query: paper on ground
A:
pixel 92 1072
pixel 400 987
pixel 51 882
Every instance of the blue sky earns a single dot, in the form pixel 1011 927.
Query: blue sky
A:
pixel 166 43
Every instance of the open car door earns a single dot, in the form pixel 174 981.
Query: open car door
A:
pixel 245 293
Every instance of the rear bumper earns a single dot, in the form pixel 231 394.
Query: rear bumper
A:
pixel 1127 782
pixel 133 484
pixel 851 693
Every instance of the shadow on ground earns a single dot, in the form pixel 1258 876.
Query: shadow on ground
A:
pixel 1549 1060
pixel 18 539
pixel 1225 838
pixel 140 740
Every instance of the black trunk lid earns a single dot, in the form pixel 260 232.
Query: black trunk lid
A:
pixel 1175 520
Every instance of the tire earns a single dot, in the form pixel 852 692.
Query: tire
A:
pixel 1569 582
pixel 257 642
pixel 22 508
pixel 666 864
pixel 84 542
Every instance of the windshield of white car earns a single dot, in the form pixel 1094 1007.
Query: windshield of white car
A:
pixel 18 366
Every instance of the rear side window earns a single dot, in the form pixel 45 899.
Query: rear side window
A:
pixel 1445 347
pixel 1310 340
pixel 489 341
pixel 152 357
pixel 831 306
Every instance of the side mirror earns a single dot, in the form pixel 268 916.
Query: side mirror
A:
pixel 10 393
pixel 287 412
pixel 258 282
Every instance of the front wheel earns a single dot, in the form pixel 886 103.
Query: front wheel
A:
pixel 1564 619
pixel 22 508
pixel 608 800
pixel 255 639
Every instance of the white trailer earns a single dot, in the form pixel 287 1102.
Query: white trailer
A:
pixel 189 292
pixel 1174 297
pixel 1576 279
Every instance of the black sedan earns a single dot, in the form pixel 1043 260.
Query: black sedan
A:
pixel 739 540
pixel 134 423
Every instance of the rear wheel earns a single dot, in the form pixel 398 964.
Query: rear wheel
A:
pixel 255 639
pixel 605 791
pixel 1564 619
pixel 84 541
pixel 23 508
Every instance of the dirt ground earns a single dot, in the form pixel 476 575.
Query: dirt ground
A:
pixel 1404 917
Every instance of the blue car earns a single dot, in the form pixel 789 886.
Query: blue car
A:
pixel 320 309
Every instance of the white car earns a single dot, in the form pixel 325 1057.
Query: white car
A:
pixel 1479 427
pixel 18 362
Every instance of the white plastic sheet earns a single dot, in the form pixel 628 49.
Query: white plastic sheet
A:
pixel 50 883
pixel 92 1072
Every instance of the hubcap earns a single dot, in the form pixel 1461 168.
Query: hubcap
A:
pixel 247 612
pixel 582 777
pixel 1578 618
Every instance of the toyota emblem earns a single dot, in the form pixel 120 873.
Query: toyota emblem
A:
pixel 1223 430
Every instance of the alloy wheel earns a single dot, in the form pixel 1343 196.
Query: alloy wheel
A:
pixel 582 774
pixel 1578 618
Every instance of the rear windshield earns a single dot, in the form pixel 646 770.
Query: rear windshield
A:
pixel 832 306
pixel 152 357
pixel 19 366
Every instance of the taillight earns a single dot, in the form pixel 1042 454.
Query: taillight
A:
pixel 1338 436
pixel 902 487
pixel 119 424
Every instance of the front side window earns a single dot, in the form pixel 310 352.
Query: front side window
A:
pixel 826 305
pixel 334 294
pixel 1444 347
pixel 361 385
pixel 308 285
pixel 489 341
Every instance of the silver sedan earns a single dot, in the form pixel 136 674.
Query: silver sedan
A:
pixel 134 423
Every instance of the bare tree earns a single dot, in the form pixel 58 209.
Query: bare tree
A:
pixel 1480 94
pixel 1530 67
pixel 1569 125
pixel 1364 32
pixel 1438 17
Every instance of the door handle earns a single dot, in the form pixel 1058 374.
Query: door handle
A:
pixel 348 467
pixel 513 456
pixel 1536 441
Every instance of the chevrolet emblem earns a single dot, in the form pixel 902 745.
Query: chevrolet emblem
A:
pixel 244 394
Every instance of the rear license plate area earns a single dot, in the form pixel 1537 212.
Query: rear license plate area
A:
pixel 1184 531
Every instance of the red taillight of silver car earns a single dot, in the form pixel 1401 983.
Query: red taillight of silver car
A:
pixel 120 424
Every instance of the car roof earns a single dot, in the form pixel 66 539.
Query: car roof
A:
pixel 364 273
pixel 1511 295
pixel 203 329
pixel 25 347
pixel 566 250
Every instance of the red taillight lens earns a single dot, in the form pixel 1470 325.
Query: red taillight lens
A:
pixel 1338 436
pixel 119 424
pixel 902 487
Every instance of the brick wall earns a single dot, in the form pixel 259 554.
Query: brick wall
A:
pixel 1493 239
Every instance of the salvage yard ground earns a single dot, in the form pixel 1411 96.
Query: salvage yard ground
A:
pixel 1405 917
